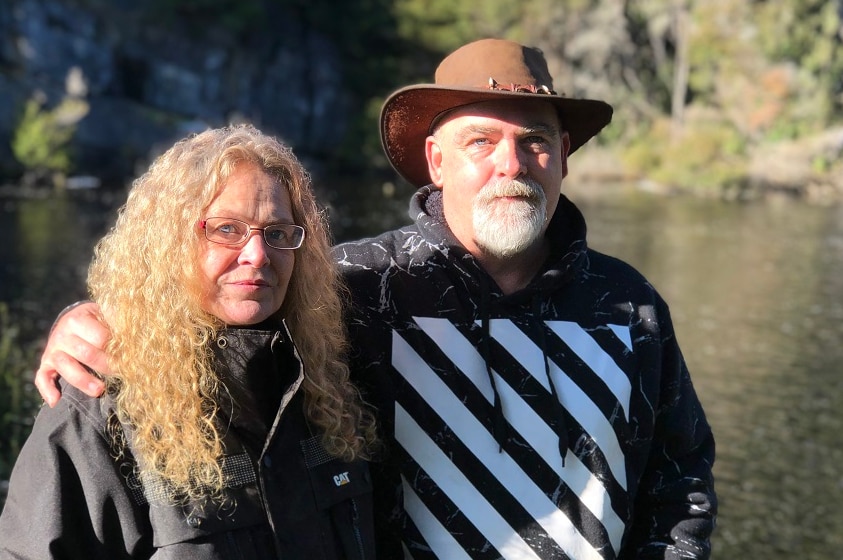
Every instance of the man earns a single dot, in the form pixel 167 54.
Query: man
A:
pixel 531 391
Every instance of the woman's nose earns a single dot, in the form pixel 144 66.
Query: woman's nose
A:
pixel 254 250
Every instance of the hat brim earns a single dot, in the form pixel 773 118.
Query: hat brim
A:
pixel 408 113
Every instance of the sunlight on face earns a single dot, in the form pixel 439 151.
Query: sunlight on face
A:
pixel 508 216
pixel 500 166
pixel 246 284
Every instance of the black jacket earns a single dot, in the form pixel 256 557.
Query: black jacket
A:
pixel 69 498
pixel 555 422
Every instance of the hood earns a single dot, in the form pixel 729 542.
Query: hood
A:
pixel 568 255
pixel 566 233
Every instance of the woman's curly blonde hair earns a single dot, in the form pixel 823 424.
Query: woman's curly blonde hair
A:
pixel 146 279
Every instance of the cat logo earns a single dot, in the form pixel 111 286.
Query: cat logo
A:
pixel 341 479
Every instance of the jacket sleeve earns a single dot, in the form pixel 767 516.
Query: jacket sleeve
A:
pixel 676 505
pixel 67 498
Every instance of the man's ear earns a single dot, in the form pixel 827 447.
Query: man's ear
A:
pixel 433 153
pixel 566 149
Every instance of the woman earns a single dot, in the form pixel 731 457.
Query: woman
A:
pixel 230 429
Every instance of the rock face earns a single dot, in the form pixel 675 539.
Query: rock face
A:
pixel 150 82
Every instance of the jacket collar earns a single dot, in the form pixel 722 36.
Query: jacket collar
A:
pixel 566 233
pixel 260 371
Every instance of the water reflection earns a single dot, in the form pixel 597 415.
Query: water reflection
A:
pixel 755 291
pixel 47 244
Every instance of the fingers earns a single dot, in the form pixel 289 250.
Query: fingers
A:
pixel 87 350
pixel 46 381
pixel 72 370
pixel 75 347
pixel 82 323
pixel 47 376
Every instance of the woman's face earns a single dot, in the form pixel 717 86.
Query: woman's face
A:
pixel 245 284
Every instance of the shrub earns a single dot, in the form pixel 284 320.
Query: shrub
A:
pixel 19 400
pixel 707 158
pixel 41 141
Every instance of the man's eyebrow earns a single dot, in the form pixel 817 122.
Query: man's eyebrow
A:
pixel 541 128
pixel 535 128
pixel 474 130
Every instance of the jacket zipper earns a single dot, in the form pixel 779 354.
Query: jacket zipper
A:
pixel 358 538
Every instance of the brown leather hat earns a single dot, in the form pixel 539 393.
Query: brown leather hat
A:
pixel 485 70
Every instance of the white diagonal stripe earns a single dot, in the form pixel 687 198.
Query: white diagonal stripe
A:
pixel 441 542
pixel 572 397
pixel 595 358
pixel 622 332
pixel 475 437
pixel 527 423
pixel 459 350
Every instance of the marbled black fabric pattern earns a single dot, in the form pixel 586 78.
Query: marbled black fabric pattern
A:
pixel 556 422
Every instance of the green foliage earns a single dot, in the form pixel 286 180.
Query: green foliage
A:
pixel 761 72
pixel 18 398
pixel 777 65
pixel 768 70
pixel 42 138
pixel 807 35
pixel 38 143
pixel 705 157
pixel 800 30
pixel 444 25
pixel 235 16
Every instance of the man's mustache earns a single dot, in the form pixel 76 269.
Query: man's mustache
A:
pixel 526 188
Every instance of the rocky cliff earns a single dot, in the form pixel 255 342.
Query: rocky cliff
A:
pixel 148 82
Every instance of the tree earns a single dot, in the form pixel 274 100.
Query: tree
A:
pixel 42 138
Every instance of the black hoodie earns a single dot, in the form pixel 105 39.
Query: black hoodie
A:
pixel 557 422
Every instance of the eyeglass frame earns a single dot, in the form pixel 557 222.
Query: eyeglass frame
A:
pixel 203 224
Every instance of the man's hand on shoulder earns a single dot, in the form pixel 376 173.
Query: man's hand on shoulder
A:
pixel 75 346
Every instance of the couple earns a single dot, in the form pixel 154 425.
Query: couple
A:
pixel 530 394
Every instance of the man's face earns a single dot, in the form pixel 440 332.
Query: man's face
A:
pixel 500 166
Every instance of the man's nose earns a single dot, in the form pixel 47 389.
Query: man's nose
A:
pixel 510 161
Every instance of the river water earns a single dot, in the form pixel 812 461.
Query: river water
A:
pixel 756 292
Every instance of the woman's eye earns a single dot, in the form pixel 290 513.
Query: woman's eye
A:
pixel 229 229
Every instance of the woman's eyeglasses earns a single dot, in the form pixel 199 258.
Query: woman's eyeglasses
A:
pixel 228 231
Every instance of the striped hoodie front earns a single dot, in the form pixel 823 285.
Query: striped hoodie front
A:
pixel 557 422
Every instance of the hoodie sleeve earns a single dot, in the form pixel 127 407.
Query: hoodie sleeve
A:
pixel 66 497
pixel 676 506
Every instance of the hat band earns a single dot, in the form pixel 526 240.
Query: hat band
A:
pixel 494 85
pixel 521 88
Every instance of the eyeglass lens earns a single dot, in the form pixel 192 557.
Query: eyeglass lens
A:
pixel 228 231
